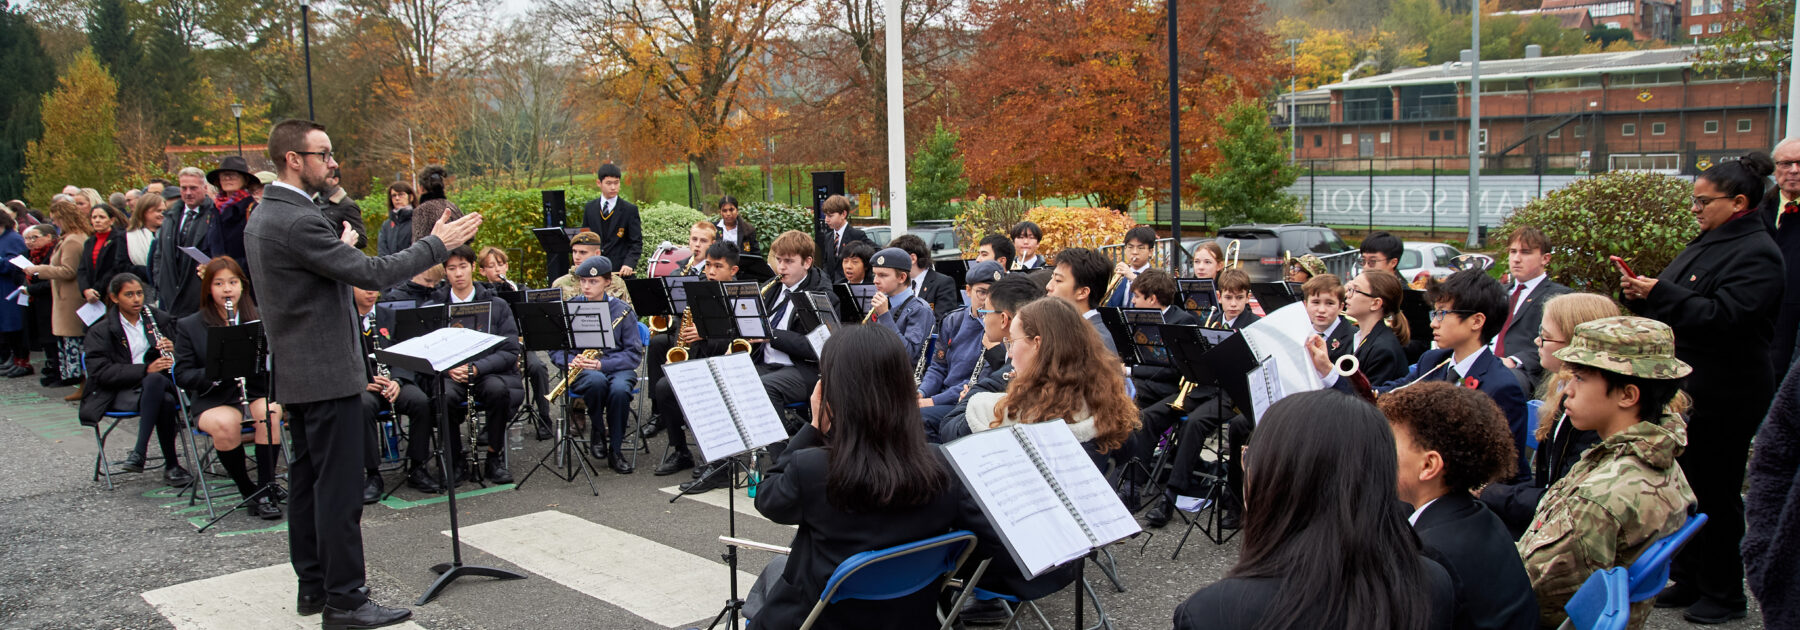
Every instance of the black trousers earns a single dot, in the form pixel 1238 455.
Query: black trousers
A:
pixel 1717 453
pixel 416 408
pixel 325 499
pixel 540 383
pixel 789 384
pixel 654 353
pixel 495 393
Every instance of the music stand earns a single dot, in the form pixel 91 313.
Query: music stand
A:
pixel 555 241
pixel 550 329
pixel 410 323
pixel 234 353
pixel 649 296
pixel 1204 358
pixel 1198 296
pixel 435 353
pixel 956 268
pixel 853 300
pixel 754 268
pixel 816 309
pixel 1113 319
pixel 1272 295
pixel 728 310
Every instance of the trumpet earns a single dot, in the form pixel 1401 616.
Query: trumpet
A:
pixel 1187 387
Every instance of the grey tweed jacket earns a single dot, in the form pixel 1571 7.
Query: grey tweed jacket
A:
pixel 303 274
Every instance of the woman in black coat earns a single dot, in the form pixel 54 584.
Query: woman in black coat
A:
pixel 1721 296
pixel 1326 540
pixel 859 478
pixel 104 255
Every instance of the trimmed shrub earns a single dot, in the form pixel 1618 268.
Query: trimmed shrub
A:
pixel 1641 217
pixel 1079 227
pixel 984 216
pixel 771 219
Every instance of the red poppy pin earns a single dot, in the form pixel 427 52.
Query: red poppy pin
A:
pixel 384 332
pixel 1471 382
pixel 1335 343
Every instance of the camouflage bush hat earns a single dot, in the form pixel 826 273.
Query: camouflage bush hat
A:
pixel 1310 264
pixel 1633 346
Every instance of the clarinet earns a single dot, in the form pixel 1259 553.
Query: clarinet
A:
pixel 975 374
pixel 231 316
pixel 156 336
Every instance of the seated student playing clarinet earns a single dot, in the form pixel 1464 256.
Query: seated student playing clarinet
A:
pixel 606 380
pixel 399 392
pixel 721 266
pixel 895 305
pixel 215 404
pixel 128 360
pixel 494 375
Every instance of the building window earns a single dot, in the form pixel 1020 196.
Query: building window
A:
pixel 1657 129
pixel 1346 139
pixel 1384 137
pixel 1660 77
pixel 1715 27
pixel 1554 133
pixel 1715 6
pixel 1318 140
pixel 1450 135
pixel 1696 7
pixel 1743 125
pixel 1727 75
pixel 1547 84
pixel 1502 86
pixel 1580 131
pixel 1628 129
pixel 1737 5
pixel 1710 126
pixel 1696 29
pixel 1434 135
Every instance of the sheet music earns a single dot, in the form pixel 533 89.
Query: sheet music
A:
pixel 1284 333
pixel 478 315
pixel 588 324
pixel 1265 386
pixel 197 255
pixel 537 296
pixel 20 261
pixel 1216 336
pixel 817 338
pixel 91 312
pixel 1038 530
pixel 445 347
pixel 703 403
pixel 748 325
pixel 1083 485
pixel 677 288
pixel 756 414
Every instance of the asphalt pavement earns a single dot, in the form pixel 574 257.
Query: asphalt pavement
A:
pixel 74 554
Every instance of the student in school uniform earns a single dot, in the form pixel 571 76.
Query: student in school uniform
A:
pixel 895 306
pixel 605 381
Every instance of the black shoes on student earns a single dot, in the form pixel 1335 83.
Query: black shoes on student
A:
pixel 369 615
pixel 619 463
pixel 984 612
pixel 176 476
pixel 651 428
pixel 495 470
pixel 264 507
pixel 309 605
pixel 421 479
pixel 1700 608
pixel 1161 513
pixel 708 480
pixel 674 463
pixel 372 489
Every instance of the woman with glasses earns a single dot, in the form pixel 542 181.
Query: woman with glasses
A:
pixel 1721 296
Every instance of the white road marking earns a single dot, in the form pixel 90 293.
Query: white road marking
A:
pixel 257 598
pixel 746 506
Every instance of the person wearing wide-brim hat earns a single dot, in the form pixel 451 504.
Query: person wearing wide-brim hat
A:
pixel 225 237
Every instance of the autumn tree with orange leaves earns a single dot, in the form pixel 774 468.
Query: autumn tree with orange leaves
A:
pixel 1071 98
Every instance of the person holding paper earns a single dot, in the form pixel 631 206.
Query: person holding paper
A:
pixel 400 393
pixel 700 237
pixel 1324 546
pixel 1372 301
pixel 721 266
pixel 63 271
pixel 128 370
pixel 895 306
pixel 41 239
pixel 214 405
pixel 494 376
pixel 189 221
pixel 959 346
pixel 605 381
pixel 17 361
pixel 1451 441
pixel 1060 375
pixel 318 366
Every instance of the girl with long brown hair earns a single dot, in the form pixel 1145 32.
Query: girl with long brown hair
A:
pixel 1061 371
pixel 1373 301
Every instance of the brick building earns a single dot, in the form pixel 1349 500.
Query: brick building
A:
pixel 1637 110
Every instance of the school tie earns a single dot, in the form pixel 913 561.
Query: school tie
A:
pixel 1512 304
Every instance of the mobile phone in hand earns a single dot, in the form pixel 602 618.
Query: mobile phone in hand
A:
pixel 1624 268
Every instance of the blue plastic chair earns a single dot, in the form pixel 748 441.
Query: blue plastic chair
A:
pixel 1601 603
pixel 1650 572
pixel 900 571
pixel 1533 408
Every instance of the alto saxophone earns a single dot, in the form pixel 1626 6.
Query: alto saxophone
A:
pixel 569 380
pixel 679 353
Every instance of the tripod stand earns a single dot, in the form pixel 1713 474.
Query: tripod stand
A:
pixel 449 571
pixel 734 605
pixel 566 443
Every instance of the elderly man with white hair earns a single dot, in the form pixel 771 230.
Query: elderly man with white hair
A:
pixel 185 224
pixel 1780 213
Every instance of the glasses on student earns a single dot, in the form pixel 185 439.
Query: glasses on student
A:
pixel 1018 339
pixel 1359 292
pixel 1700 202
pixel 982 312
pixel 1438 316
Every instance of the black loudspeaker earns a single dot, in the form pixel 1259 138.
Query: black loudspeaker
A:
pixel 556 214
pixel 824 184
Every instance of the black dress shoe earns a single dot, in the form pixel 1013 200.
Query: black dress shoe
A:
pixel 369 615
pixel 651 428
pixel 309 605
pixel 708 483
pixel 1231 519
pixel 620 464
pixel 597 449
pixel 177 476
pixel 17 371
pixel 420 479
pixel 372 489
pixel 133 463
pixel 1159 516
pixel 1708 611
pixel 278 493
pixel 1677 595
pixel 984 611
pixel 674 463
pixel 543 430
pixel 264 507
pixel 496 469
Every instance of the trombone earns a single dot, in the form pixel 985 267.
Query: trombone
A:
pixel 1231 255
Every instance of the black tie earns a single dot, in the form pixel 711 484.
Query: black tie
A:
pixel 1451 374
pixel 780 308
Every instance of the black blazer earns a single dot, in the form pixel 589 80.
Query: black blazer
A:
pixel 1721 296
pixel 746 235
pixel 503 360
pixel 115 256
pixel 110 371
pixel 621 234
pixel 1491 377
pixel 792 338
pixel 1241 603
pixel 1245 318
pixel 1492 590
pixel 794 493
pixel 940 292
pixel 177 286
pixel 1516 503
pixel 1381 356
pixel 1518 340
pixel 1342 340
pixel 832 261
pixel 190 365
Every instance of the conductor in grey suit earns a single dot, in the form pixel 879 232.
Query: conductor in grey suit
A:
pixel 303 271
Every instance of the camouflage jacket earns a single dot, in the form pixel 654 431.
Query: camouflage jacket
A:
pixel 1625 493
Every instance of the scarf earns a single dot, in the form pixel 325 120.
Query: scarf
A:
pixel 228 198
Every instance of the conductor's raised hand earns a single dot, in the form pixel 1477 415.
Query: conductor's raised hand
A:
pixel 456 233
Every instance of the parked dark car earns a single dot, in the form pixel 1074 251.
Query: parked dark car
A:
pixel 1264 248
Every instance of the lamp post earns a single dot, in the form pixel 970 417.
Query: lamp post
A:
pixel 1175 261
pixel 1474 126
pixel 237 117
pixel 306 49
pixel 1293 108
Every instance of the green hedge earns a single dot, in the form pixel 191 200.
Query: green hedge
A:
pixel 1641 217
pixel 771 219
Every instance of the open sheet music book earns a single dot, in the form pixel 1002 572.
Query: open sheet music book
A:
pixel 727 409
pixel 438 350
pixel 1038 487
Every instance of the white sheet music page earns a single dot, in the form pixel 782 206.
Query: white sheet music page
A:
pixel 704 405
pixel 762 424
pixel 588 324
pixel 1086 489
pixel 1283 334
pixel 1038 529
pixel 1265 386
pixel 20 261
pixel 446 347
pixel 817 339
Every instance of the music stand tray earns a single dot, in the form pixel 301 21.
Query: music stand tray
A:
pixel 728 310
pixel 649 296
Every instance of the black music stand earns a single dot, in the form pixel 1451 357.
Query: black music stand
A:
pixel 1198 296
pixel 554 324
pixel 234 353
pixel 956 268
pixel 815 309
pixel 853 300
pixel 724 311
pixel 418 321
pixel 754 268
pixel 1205 359
pixel 649 297
pixel 1272 295
pixel 401 355
pixel 555 240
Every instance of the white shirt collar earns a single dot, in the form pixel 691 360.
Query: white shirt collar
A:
pixel 281 184
pixel 1468 363
pixel 1329 329
pixel 1090 314
pixel 1414 519
pixel 1531 285
pixel 1138 270
pixel 136 339
pixel 456 300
